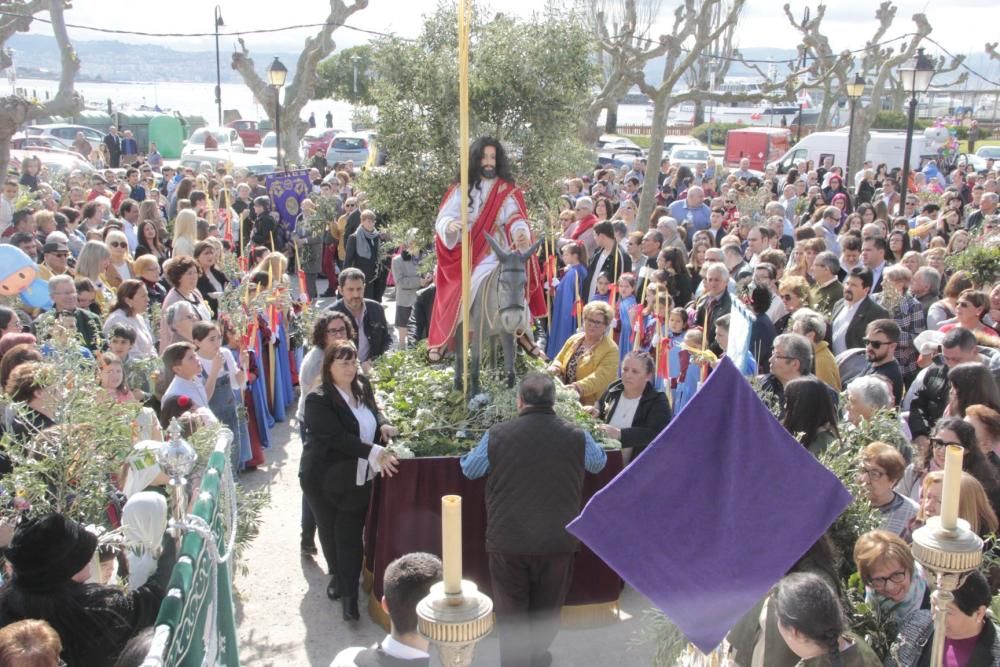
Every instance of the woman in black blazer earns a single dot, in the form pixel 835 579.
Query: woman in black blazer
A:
pixel 362 252
pixel 210 279
pixel 634 412
pixel 344 434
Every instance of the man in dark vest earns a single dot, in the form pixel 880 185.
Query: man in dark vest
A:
pixel 407 581
pixel 536 464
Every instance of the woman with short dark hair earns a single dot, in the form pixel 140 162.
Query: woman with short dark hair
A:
pixel 970 637
pixel 131 303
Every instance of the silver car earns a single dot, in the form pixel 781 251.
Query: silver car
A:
pixel 351 146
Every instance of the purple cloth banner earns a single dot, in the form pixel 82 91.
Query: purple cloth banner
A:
pixel 714 512
pixel 287 189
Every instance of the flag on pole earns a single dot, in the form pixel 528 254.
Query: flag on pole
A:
pixel 708 519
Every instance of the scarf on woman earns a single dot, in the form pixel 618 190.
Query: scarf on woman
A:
pixel 897 611
pixel 365 249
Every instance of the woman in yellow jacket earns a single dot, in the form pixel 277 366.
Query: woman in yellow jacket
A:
pixel 588 361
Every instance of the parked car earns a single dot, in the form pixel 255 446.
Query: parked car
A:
pixel 251 162
pixel 39 142
pixel 248 130
pixel 977 162
pixel 67 133
pixel 227 138
pixel 689 156
pixel 316 140
pixel 354 146
pixel 679 140
pixel 987 152
pixel 613 143
pixel 57 162
pixel 269 146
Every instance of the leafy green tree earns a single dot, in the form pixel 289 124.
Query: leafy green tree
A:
pixel 529 86
pixel 347 76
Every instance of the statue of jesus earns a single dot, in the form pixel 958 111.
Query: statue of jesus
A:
pixel 496 207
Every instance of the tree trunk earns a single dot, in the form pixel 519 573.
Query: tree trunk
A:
pixel 661 107
pixel 699 113
pixel 611 118
pixel 859 142
pixel 825 108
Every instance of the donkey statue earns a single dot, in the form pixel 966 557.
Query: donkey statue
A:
pixel 499 309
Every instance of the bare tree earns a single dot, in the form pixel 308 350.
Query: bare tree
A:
pixel 16 110
pixel 816 44
pixel 626 27
pixel 303 85
pixel 693 33
pixel 712 65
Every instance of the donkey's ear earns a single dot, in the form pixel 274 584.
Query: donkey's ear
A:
pixel 500 252
pixel 534 247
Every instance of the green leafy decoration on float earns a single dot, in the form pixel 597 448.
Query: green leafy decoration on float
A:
pixel 435 419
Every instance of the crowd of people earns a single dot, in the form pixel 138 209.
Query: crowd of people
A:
pixel 188 297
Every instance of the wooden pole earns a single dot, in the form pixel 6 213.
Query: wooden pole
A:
pixel 464 11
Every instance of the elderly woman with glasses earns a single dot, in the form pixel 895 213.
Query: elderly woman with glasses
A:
pixel 880 468
pixel 588 361
pixel 894 582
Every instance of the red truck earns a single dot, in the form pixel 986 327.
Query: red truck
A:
pixel 760 144
pixel 248 130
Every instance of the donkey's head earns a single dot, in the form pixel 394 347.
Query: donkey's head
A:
pixel 511 285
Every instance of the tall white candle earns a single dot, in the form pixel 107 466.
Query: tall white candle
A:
pixel 451 543
pixel 952 487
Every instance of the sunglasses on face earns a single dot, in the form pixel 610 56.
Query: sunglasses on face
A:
pixel 874 344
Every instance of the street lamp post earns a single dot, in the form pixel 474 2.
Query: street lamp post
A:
pixel 354 62
pixel 218 65
pixel 276 74
pixel 855 90
pixel 916 75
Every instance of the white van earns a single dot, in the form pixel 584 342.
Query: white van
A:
pixel 887 147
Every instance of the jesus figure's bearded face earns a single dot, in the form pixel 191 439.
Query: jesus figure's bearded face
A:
pixel 488 163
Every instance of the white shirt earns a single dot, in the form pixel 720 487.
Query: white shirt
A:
pixel 229 366
pixel 367 425
pixel 194 389
pixel 122 270
pixel 390 645
pixel 624 412
pixel 840 324
pixel 129 230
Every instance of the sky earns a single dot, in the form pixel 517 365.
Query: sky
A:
pixel 962 26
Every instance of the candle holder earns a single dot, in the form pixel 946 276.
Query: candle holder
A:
pixel 455 622
pixel 177 458
pixel 950 555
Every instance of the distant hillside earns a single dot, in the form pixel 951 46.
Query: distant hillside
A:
pixel 118 61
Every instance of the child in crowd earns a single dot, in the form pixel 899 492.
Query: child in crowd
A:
pixel 111 377
pixel 659 340
pixel 257 425
pixel 182 374
pixel 688 385
pixel 625 316
pixel 229 383
pixel 603 290
pixel 680 359
pixel 569 292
